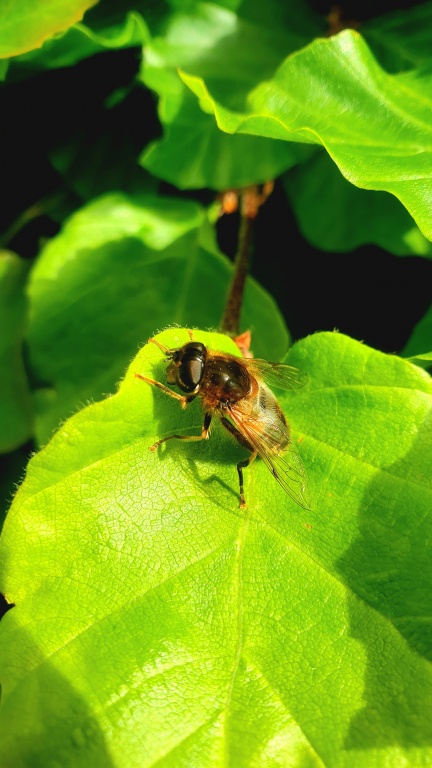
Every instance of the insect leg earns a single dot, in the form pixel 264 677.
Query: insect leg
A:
pixel 242 464
pixel 202 436
pixel 183 399
pixel 158 344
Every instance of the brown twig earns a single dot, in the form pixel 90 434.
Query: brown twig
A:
pixel 250 198
pixel 230 323
pixel 337 21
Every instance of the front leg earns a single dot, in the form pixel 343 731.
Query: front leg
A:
pixel 203 436
pixel 184 399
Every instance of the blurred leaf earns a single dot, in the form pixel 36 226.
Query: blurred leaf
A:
pixel 334 215
pixel 375 126
pixel 421 337
pixel 423 356
pixel 401 39
pixel 26 24
pixel 4 66
pixel 15 402
pixel 155 623
pixel 96 162
pixel 79 42
pixel 422 360
pixel 119 270
pixel 234 50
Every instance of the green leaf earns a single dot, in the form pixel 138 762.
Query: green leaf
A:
pixel 423 356
pixel 423 360
pixel 26 24
pixel 334 215
pixel 96 163
pixel 4 66
pixel 156 623
pixel 120 269
pixel 195 154
pixel 234 48
pixel 420 339
pixel 375 126
pixel 81 41
pixel 15 402
pixel 401 40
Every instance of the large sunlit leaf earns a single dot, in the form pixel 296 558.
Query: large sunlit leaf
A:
pixel 26 24
pixel 16 414
pixel 233 49
pixel 157 623
pixel 119 270
pixel 375 126
pixel 334 215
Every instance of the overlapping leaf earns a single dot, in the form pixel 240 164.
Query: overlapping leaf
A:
pixel 156 623
pixel 81 41
pixel 95 162
pixel 234 49
pixel 375 126
pixel 421 338
pixel 15 402
pixel 26 24
pixel 401 39
pixel 119 270
pixel 334 215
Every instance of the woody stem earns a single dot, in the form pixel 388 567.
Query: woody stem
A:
pixel 230 322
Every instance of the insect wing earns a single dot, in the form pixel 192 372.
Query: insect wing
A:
pixel 276 374
pixel 266 437
pixel 290 474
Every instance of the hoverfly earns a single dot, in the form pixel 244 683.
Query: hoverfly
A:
pixel 235 390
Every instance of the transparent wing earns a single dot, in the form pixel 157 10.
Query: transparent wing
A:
pixel 269 437
pixel 276 374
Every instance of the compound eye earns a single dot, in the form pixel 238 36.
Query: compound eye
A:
pixel 195 369
pixel 187 366
pixel 191 369
pixel 194 349
pixel 190 373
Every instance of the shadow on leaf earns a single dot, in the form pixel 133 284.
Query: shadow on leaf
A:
pixel 389 573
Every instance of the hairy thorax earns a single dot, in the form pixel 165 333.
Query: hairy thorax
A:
pixel 226 382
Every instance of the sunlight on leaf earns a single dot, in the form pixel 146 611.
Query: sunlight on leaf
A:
pixel 81 41
pixel 234 49
pixel 155 622
pixel 25 24
pixel 334 93
pixel 121 268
